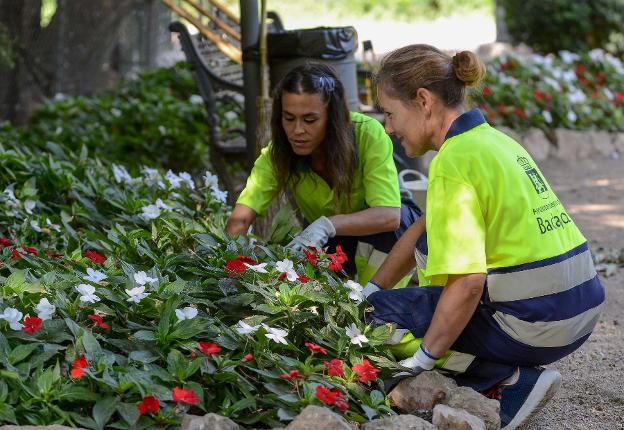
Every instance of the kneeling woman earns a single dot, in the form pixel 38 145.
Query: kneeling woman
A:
pixel 337 165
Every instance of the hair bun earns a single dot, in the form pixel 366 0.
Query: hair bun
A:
pixel 468 68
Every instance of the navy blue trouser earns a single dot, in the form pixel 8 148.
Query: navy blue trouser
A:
pixel 496 354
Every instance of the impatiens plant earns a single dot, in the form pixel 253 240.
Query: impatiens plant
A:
pixel 124 321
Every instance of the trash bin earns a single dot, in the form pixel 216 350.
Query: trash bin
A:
pixel 331 45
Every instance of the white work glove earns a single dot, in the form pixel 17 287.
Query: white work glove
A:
pixel 315 235
pixel 370 288
pixel 419 362
pixel 421 259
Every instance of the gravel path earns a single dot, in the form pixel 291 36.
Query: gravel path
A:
pixel 592 394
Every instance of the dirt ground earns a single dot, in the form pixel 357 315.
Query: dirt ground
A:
pixel 592 394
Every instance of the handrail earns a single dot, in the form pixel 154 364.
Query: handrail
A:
pixel 225 11
pixel 232 52
pixel 220 23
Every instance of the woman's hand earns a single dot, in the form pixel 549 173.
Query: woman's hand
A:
pixel 315 235
pixel 239 221
pixel 373 220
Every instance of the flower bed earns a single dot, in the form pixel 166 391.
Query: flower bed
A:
pixel 567 91
pixel 124 306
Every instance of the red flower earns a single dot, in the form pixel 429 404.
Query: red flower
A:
pixel 487 91
pixel 303 279
pixel 365 371
pixel 80 363
pixel 334 367
pixel 313 347
pixel 181 395
pixel 329 397
pixel 293 374
pixel 520 113
pixel 335 267
pixel 95 257
pixel 282 276
pixel 600 78
pixel 619 98
pixel 580 69
pixel 209 348
pixel 539 95
pixel 342 405
pixel 502 109
pixel 5 242
pixel 99 322
pixel 248 358
pixel 15 254
pixel 77 373
pixel 311 257
pixel 30 250
pixel 237 265
pixel 53 254
pixel 340 256
pixel 32 324
pixel 149 404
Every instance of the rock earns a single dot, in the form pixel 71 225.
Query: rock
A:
pixel 318 418
pixel 421 392
pixel 618 142
pixel 208 422
pixel 476 404
pixel 572 145
pixel 536 144
pixel 510 132
pixel 398 422
pixel 602 143
pixel 52 427
pixel 447 418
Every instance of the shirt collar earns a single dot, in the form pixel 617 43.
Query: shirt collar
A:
pixel 465 122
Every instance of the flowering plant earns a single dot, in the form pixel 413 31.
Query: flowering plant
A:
pixel 129 321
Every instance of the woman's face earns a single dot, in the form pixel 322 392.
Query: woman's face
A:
pixel 304 118
pixel 407 122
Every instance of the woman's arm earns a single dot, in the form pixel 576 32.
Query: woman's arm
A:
pixel 367 221
pixel 239 221
pixel 458 302
pixel 401 258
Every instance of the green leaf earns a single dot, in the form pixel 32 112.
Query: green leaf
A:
pixel 129 412
pixel 377 397
pixel 146 335
pixel 286 415
pixel 142 356
pixel 103 410
pixel 7 413
pixel 20 352
pixel 91 345
pixel 79 394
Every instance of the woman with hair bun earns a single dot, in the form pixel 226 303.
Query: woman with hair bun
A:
pixel 515 287
pixel 339 168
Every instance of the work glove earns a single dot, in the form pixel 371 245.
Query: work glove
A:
pixel 421 259
pixel 419 362
pixel 315 235
pixel 370 288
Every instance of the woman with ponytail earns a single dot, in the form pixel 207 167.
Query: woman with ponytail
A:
pixel 515 285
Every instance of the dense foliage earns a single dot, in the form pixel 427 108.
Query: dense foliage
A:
pixel 124 306
pixel 555 91
pixel 554 25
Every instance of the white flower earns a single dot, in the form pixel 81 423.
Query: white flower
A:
pixel 161 205
pixel 29 205
pixel 45 309
pixel 547 116
pixel 87 293
pixel 174 180
pixel 577 96
pixel 244 328
pixel 196 99
pixel 58 97
pixel 13 317
pixel 219 195
pixel 596 54
pixel 94 275
pixel 162 129
pixel 121 175
pixel 259 268
pixel 355 291
pixel 608 94
pixel 150 212
pixel 211 181
pixel 187 178
pixel 9 192
pixel 187 313
pixel 357 338
pixel 568 57
pixel 277 335
pixel 286 266
pixel 58 130
pixel 141 278
pixel 230 115
pixel 35 226
pixel 115 112
pixel 552 83
pixel 572 116
pixel 136 294
pixel 52 226
pixel 569 76
pixel 151 176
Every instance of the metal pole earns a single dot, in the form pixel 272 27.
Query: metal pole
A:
pixel 249 37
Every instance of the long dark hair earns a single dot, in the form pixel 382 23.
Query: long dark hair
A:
pixel 338 147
